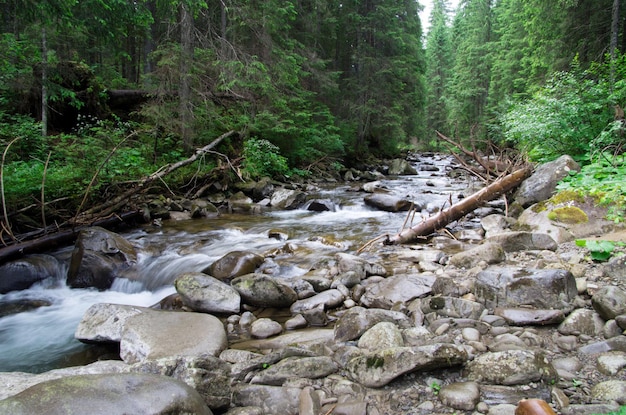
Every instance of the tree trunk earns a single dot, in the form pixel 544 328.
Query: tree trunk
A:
pixel 44 82
pixel 614 37
pixel 462 208
pixel 184 92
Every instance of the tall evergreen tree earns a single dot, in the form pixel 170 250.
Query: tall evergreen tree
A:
pixel 438 60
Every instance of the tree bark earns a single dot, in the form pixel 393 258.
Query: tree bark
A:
pixel 462 208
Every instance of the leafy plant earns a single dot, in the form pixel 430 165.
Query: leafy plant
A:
pixel 435 387
pixel 599 250
pixel 263 158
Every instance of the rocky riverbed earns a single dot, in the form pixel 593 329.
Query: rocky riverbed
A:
pixel 469 321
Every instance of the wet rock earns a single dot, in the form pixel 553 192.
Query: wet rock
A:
pixel 234 264
pixel 296 367
pixel 610 391
pixel 158 334
pixel 272 399
pixel 397 289
pixel 387 203
pixel 261 290
pixel 542 184
pixel 24 272
pixel 377 369
pixel 107 394
pixel 320 205
pixel 383 335
pixel 513 287
pixel 8 307
pixel 296 322
pixel 582 321
pixel 329 299
pixel 104 322
pixel 207 375
pixel 524 241
pixel 491 253
pixel 530 317
pixel 356 321
pixel 361 266
pixel 609 301
pixel 99 256
pixel 452 307
pixel 400 167
pixel 511 367
pixel 263 328
pixel 460 395
pixel 287 199
pixel 203 293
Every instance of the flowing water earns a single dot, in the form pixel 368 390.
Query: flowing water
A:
pixel 43 339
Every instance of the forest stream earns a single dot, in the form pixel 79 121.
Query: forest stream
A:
pixel 43 339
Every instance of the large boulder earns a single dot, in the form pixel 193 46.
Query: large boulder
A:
pixel 510 367
pixel 400 166
pixel 107 394
pixel 99 257
pixel 542 183
pixel 206 294
pixel 261 290
pixel 357 320
pixel 24 272
pixel 287 199
pixel 234 264
pixel 104 323
pixel 157 334
pixel 388 203
pixel 398 289
pixel 513 287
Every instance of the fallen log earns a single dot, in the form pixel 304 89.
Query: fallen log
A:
pixel 460 209
pixel 490 167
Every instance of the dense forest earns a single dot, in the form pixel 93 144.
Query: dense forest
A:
pixel 96 94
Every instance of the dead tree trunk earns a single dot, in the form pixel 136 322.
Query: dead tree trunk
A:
pixel 460 209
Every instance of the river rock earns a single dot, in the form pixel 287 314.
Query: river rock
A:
pixel 609 301
pixel 400 166
pixel 272 399
pixel 9 307
pixel 264 327
pixel 495 224
pixel 208 375
pixel 510 367
pixel 158 334
pixel 582 321
pixel 15 382
pixel 203 293
pixel 357 320
pixel 610 390
pixel 530 317
pixel 452 307
pixel 397 289
pixel 328 299
pixel 514 287
pixel 491 253
pixel 24 272
pixel 361 266
pixel 261 290
pixel 296 367
pixel 377 369
pixel 287 199
pixel 541 185
pixel 611 363
pixel 613 344
pixel 524 241
pixel 460 395
pixel 320 205
pixel 104 322
pixel 383 335
pixel 99 256
pixel 107 394
pixel 234 264
pixel 388 203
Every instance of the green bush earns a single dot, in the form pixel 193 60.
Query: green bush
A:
pixel 262 158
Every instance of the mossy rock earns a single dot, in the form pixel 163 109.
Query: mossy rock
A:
pixel 566 196
pixel 568 214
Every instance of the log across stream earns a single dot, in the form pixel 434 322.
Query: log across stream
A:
pixel 42 339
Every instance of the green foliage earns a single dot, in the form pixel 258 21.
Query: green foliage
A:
pixel 562 118
pixel 262 158
pixel 603 180
pixel 599 250
pixel 622 411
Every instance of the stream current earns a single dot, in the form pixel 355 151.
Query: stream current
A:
pixel 43 339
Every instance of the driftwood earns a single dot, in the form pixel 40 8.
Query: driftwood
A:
pixel 114 204
pixel 490 168
pixel 460 209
